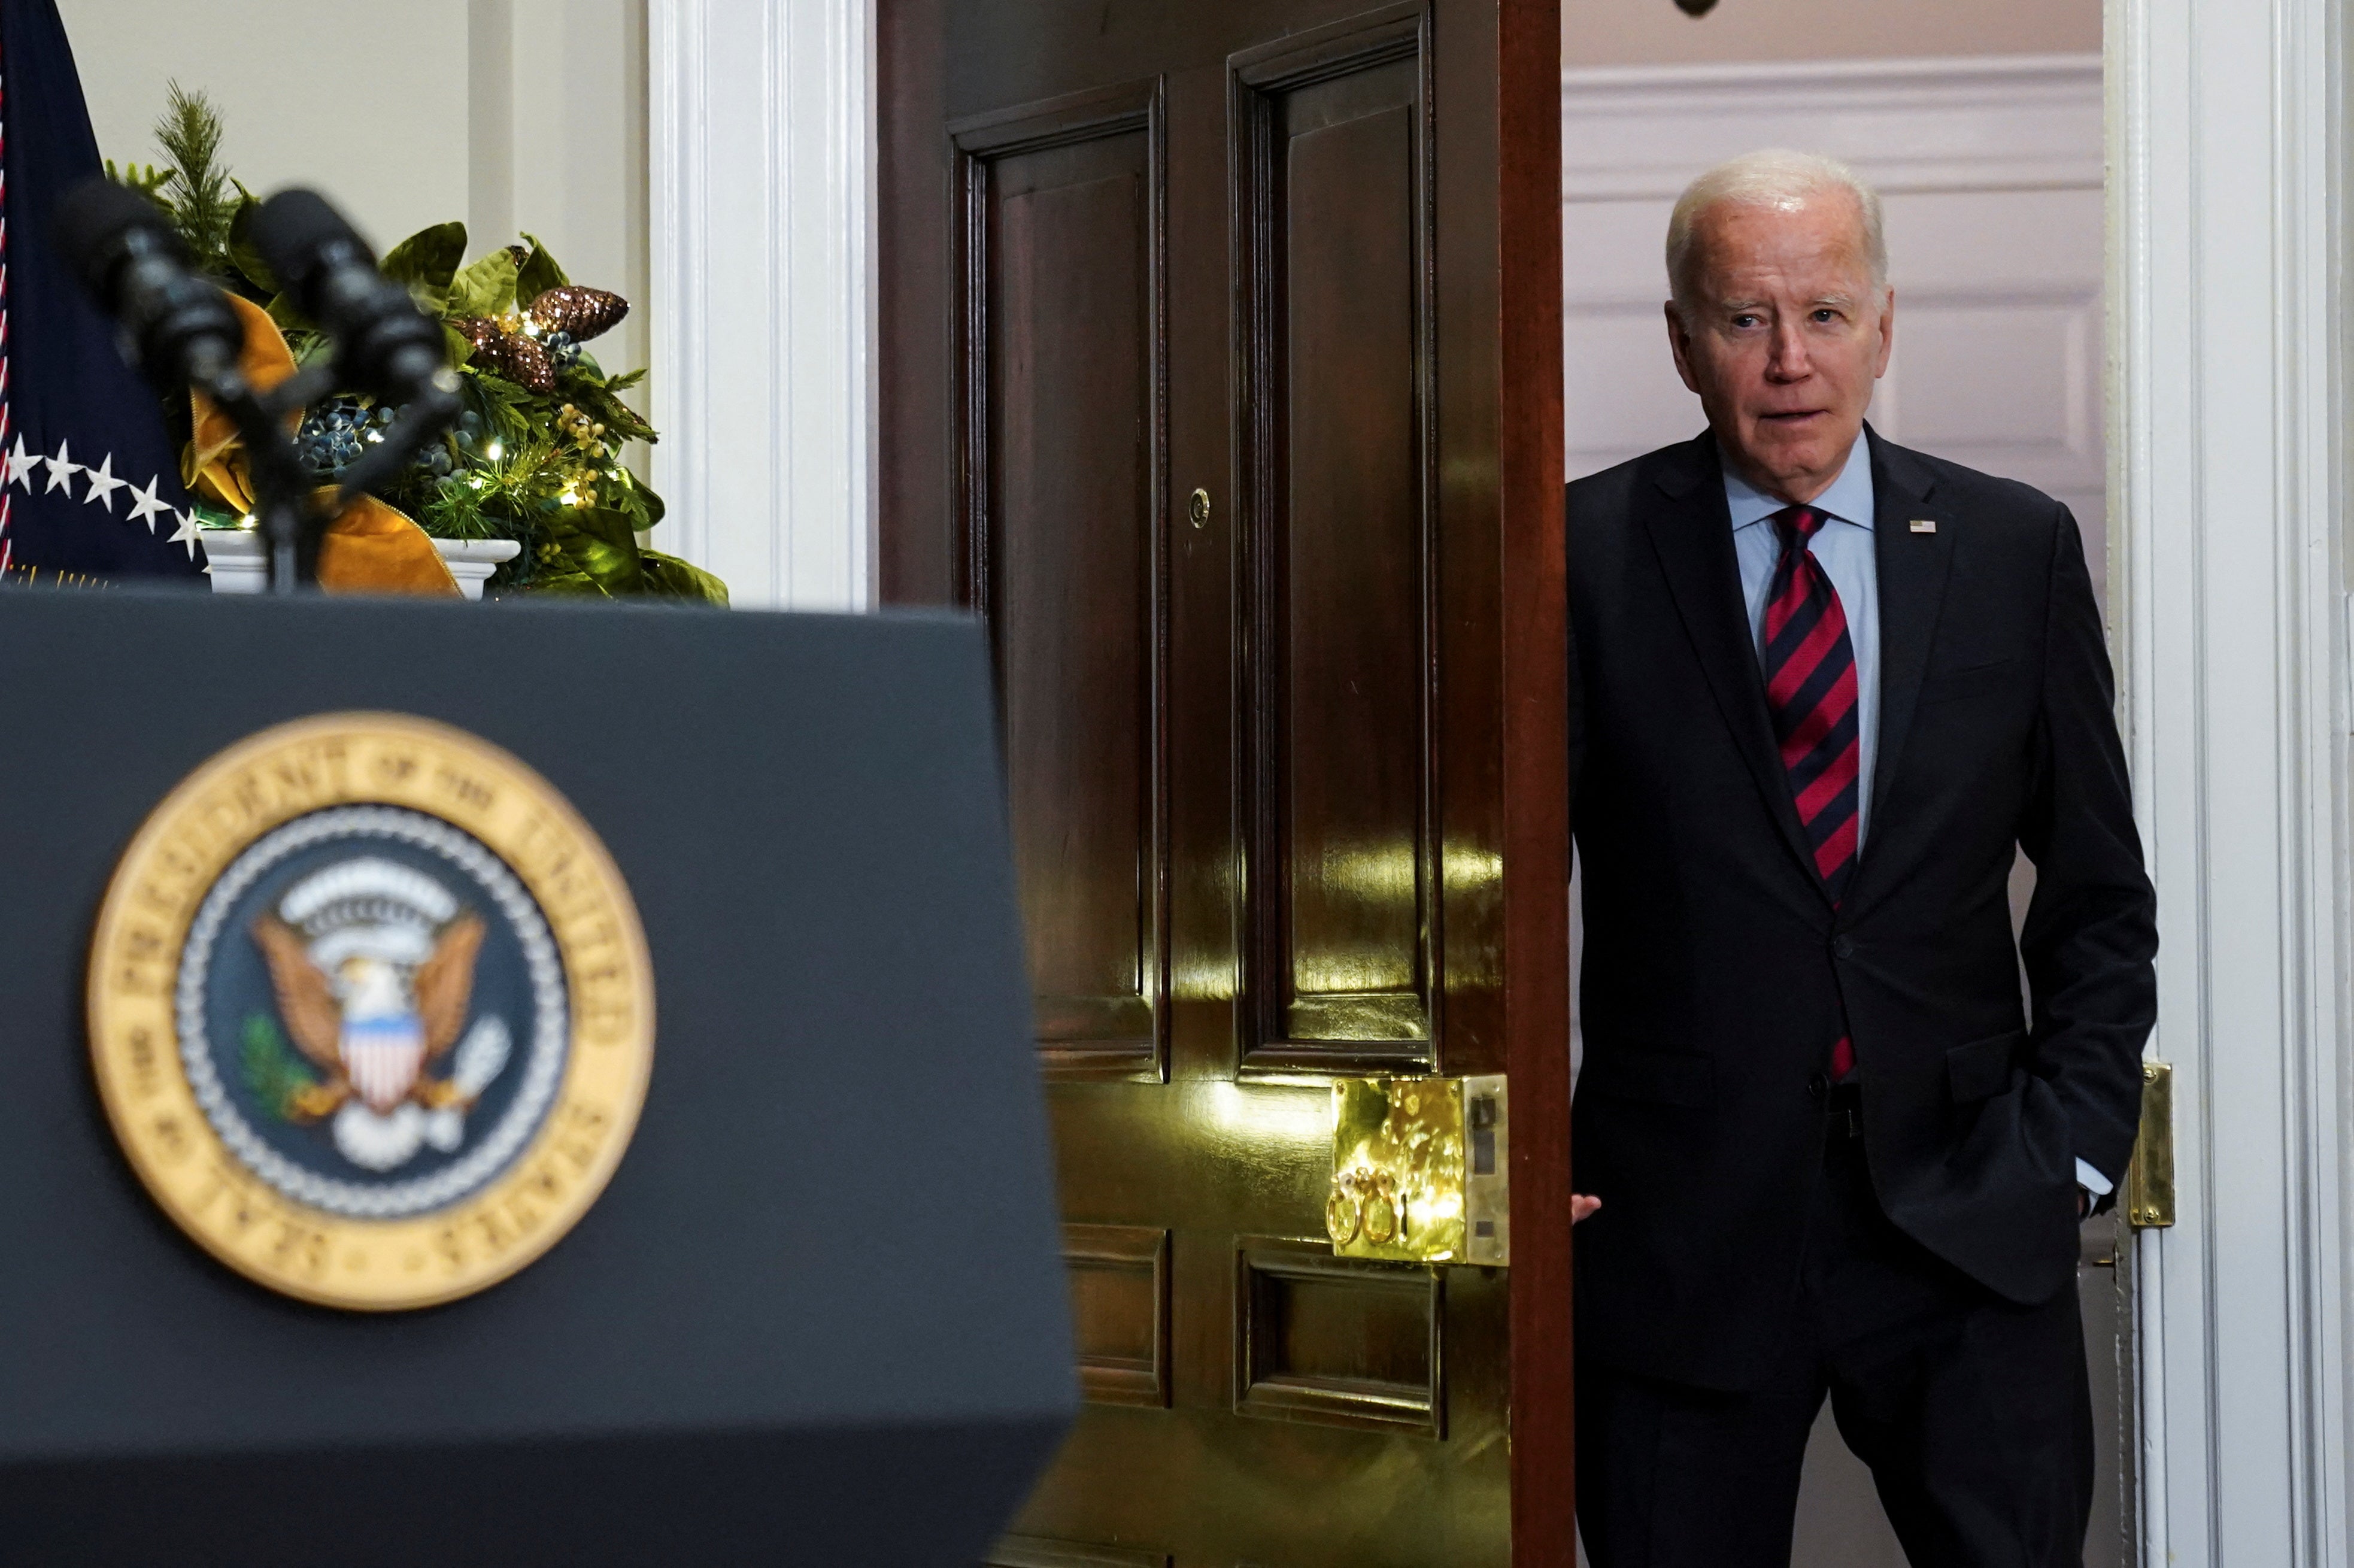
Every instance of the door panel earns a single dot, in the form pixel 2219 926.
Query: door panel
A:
pixel 1194 386
pixel 1338 1340
pixel 1060 273
pixel 1333 189
pixel 1120 1311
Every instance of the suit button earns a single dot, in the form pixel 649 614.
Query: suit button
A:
pixel 1818 1087
pixel 1843 948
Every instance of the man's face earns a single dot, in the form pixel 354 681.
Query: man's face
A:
pixel 1786 335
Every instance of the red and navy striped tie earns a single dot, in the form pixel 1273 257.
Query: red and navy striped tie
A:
pixel 1811 690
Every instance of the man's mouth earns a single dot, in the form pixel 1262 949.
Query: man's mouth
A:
pixel 1790 416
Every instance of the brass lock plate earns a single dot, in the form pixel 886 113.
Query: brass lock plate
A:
pixel 2149 1181
pixel 1419 1170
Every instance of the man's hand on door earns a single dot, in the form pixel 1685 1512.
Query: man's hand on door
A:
pixel 1580 1207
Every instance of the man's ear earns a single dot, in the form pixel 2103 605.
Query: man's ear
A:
pixel 1887 333
pixel 1679 344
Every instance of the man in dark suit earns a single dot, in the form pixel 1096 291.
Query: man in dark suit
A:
pixel 1827 688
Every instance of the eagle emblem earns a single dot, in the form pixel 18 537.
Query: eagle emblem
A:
pixel 372 964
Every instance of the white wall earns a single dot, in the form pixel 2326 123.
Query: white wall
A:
pixel 362 102
pixel 509 114
pixel 1656 32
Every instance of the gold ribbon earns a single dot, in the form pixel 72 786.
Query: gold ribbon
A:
pixel 370 547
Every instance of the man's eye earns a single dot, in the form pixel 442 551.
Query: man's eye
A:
pixel 1745 321
pixel 1824 315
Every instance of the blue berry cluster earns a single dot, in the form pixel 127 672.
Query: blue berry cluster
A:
pixel 563 350
pixel 329 441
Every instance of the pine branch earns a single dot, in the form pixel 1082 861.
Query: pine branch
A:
pixel 203 198
pixel 145 178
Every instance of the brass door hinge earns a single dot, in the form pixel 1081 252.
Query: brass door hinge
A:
pixel 1418 1170
pixel 2149 1181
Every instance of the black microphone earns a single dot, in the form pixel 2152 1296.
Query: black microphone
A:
pixel 176 326
pixel 385 346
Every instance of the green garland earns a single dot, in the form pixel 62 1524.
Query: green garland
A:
pixel 541 468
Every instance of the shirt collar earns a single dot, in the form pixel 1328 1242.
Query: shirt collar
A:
pixel 1848 500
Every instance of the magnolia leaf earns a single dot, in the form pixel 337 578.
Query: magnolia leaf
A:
pixel 621 422
pixel 607 524
pixel 486 289
pixel 600 543
pixel 428 257
pixel 461 346
pixel 674 579
pixel 289 315
pixel 642 505
pixel 579 583
pixel 538 274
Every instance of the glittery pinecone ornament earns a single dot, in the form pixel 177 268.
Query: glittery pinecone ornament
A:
pixel 508 354
pixel 577 311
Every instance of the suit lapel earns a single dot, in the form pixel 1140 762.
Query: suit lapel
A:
pixel 1913 570
pixel 1691 532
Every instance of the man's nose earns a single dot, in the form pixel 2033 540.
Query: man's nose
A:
pixel 1788 361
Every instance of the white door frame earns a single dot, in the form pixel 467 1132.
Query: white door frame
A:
pixel 2228 602
pixel 762 119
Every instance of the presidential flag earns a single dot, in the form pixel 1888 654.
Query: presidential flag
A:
pixel 91 490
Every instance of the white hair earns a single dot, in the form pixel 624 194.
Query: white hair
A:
pixel 1776 177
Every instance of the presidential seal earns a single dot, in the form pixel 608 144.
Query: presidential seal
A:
pixel 371 1010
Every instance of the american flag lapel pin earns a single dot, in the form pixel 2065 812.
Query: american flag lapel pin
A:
pixel 1925 525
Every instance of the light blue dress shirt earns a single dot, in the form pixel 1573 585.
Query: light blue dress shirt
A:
pixel 1844 547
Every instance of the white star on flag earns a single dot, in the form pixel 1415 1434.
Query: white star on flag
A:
pixel 104 484
pixel 62 468
pixel 187 534
pixel 21 464
pixel 147 506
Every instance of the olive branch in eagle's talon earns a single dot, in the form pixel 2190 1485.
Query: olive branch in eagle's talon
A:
pixel 278 1078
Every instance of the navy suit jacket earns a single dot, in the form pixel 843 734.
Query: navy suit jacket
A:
pixel 1718 974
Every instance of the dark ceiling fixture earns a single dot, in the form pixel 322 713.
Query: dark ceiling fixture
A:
pixel 1695 7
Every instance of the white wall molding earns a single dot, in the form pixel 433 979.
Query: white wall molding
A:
pixel 762 199
pixel 1908 125
pixel 2226 398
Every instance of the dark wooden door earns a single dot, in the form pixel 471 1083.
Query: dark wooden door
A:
pixel 1221 375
